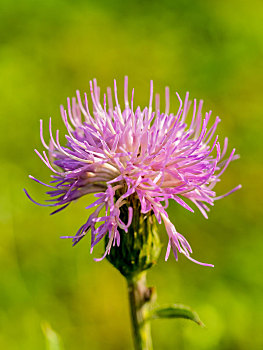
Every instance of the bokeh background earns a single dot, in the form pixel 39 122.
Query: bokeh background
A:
pixel 55 297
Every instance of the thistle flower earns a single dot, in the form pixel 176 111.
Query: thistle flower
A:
pixel 126 156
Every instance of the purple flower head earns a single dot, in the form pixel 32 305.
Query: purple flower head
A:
pixel 122 154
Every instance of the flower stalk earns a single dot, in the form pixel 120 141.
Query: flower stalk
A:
pixel 140 299
pixel 138 251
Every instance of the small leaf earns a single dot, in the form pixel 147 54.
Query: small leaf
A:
pixel 53 341
pixel 175 311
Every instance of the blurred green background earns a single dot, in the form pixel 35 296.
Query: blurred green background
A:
pixel 48 50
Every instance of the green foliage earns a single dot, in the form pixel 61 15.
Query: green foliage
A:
pixel 52 339
pixel 175 311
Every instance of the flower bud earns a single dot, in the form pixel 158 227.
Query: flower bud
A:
pixel 140 247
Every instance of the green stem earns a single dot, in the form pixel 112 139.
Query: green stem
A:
pixel 140 297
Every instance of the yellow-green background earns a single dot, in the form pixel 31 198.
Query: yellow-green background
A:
pixel 48 50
